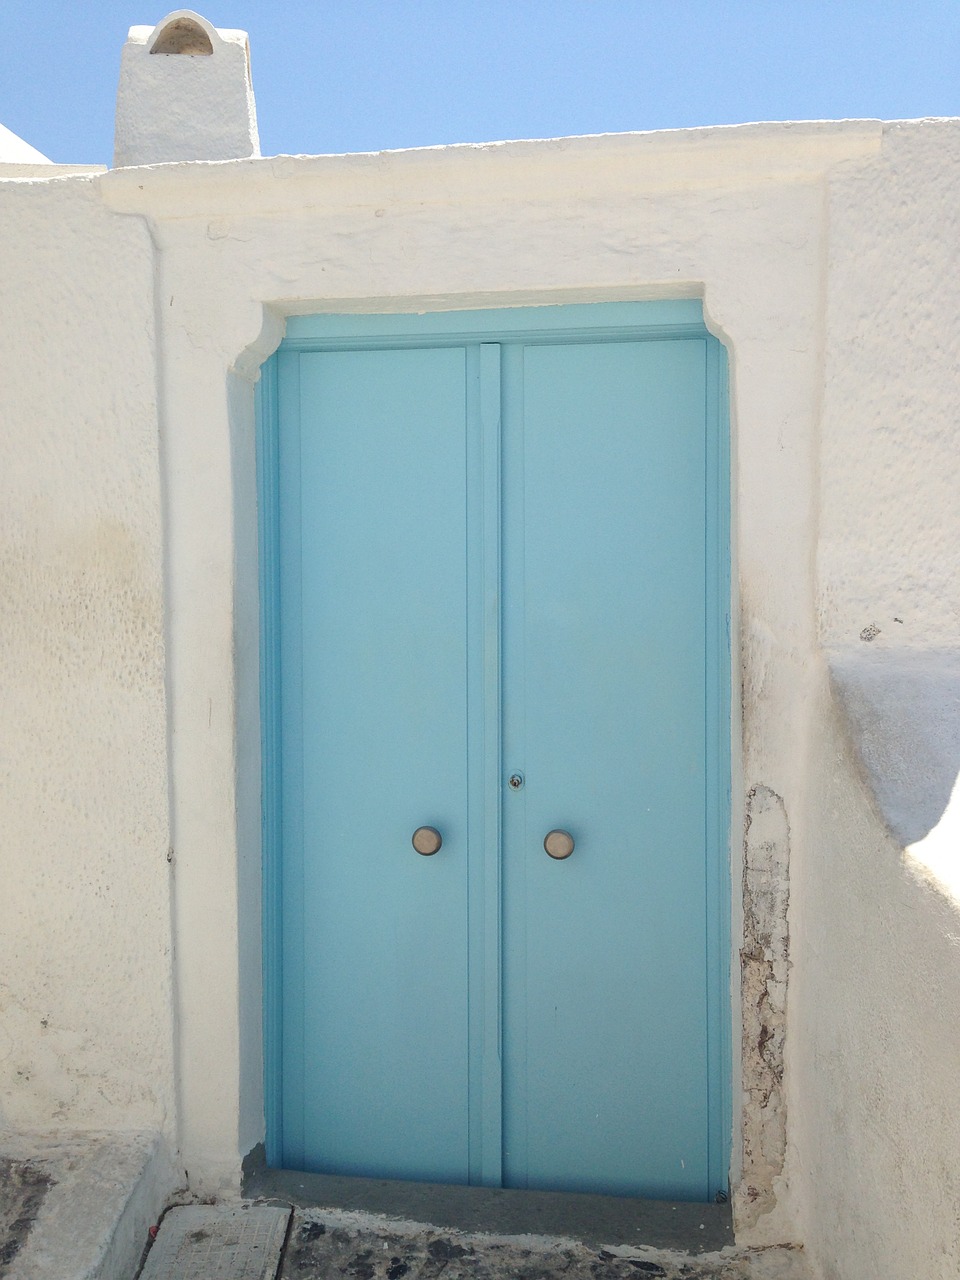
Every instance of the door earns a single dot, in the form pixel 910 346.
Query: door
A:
pixel 498 616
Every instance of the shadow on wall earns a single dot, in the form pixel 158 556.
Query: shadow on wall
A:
pixel 903 710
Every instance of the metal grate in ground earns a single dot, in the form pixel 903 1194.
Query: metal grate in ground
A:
pixel 218 1242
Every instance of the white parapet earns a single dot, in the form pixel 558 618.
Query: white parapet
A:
pixel 185 93
pixel 14 150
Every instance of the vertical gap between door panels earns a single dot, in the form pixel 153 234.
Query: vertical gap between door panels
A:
pixel 513 732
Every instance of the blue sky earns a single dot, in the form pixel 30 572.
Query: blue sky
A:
pixel 359 75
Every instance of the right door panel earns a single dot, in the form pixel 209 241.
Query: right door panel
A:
pixel 605 967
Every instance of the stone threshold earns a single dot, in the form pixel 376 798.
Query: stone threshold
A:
pixel 589 1219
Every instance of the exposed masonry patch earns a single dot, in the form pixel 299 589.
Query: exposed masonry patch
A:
pixel 764 960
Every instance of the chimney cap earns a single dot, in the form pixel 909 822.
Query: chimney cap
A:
pixel 185 93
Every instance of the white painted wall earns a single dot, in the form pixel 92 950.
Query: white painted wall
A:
pixel 85 945
pixel 876 1037
pixel 176 103
pixel 150 298
pixel 734 214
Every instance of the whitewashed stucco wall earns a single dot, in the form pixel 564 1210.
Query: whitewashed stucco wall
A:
pixel 85 945
pixel 731 215
pixel 876 1031
pixel 797 238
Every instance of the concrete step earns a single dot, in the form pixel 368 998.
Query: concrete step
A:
pixel 78 1205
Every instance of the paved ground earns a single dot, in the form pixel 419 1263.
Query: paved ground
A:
pixel 218 1242
pixel 324 1244
pixel 76 1206
pixel 22 1189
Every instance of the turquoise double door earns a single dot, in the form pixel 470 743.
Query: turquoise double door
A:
pixel 495 597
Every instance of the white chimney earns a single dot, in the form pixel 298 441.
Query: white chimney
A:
pixel 185 93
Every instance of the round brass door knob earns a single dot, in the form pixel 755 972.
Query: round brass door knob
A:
pixel 427 840
pixel 559 844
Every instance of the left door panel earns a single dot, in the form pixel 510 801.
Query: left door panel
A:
pixel 372 461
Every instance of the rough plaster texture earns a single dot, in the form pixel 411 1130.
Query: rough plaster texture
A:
pixel 85 969
pixel 103 1192
pixel 890 464
pixel 825 257
pixel 175 102
pixel 876 1039
pixel 875 1011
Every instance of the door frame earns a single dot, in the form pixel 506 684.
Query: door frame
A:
pixel 611 321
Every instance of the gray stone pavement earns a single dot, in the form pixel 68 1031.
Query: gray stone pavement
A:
pixel 500 1211
pixel 327 1243
pixel 78 1207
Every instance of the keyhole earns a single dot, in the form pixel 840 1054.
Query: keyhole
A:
pixel 515 781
